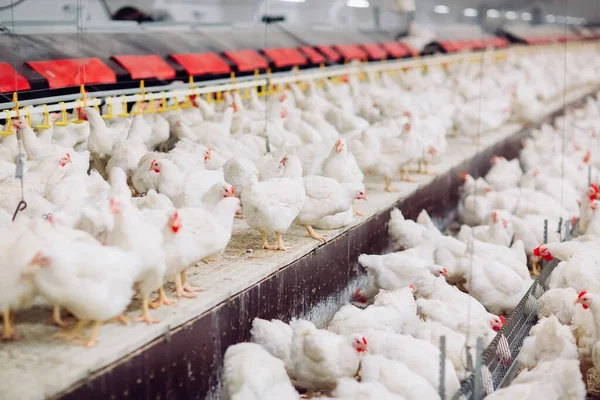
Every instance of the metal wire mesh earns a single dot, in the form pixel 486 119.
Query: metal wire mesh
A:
pixel 500 368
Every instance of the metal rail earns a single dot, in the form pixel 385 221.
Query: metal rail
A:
pixel 182 90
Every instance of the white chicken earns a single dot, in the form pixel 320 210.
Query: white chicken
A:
pixel 548 340
pixel 251 373
pixel 274 204
pixel 320 357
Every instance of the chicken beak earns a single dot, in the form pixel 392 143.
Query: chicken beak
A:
pixel 339 146
pixel 445 272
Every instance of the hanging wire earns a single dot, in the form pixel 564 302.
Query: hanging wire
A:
pixel 564 119
pixel 19 162
pixel 267 86
pixel 477 151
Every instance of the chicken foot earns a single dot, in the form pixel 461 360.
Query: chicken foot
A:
pixel 265 242
pixel 405 176
pixel 162 300
pixel 424 168
pixel 92 338
pixel 75 333
pixel 186 284
pixel 280 245
pixel 145 317
pixel 388 185
pixel 9 332
pixel 313 234
pixel 181 292
pixel 122 319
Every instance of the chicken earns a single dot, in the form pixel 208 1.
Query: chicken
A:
pixel 125 234
pixel 341 165
pixel 93 282
pixel 397 270
pixel 17 289
pixel 325 197
pixel 558 302
pixel 548 340
pixel 497 287
pixel 349 389
pixel 420 357
pixel 274 204
pixel 592 302
pixel 102 138
pixel 237 172
pixel 251 373
pixel 320 357
pixel 552 380
pixel 276 337
pixel 192 235
pixel 412 386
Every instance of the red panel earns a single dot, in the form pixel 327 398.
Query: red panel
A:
pixel 313 55
pixel 329 52
pixel 285 57
pixel 449 46
pixel 351 52
pixel 396 49
pixel 64 73
pixel 247 60
pixel 146 66
pixel 7 79
pixel 202 63
pixel 375 51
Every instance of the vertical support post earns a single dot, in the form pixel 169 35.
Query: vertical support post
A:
pixel 442 367
pixel 478 387
pixel 545 231
pixel 560 221
pixel 567 230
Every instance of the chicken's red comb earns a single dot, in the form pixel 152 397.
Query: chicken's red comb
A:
pixel 536 251
pixel 464 176
pixel 501 319
pixel 412 288
pixel 595 187
pixel 364 340
pixel 232 190
pixel 586 158
pixel 581 294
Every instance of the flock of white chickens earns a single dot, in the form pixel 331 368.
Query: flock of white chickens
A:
pixel 117 208
pixel 385 345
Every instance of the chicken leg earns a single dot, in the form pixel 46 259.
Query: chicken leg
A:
pixel 162 300
pixel 280 245
pixel 405 176
pixel 9 332
pixel 181 292
pixel 265 242
pixel 75 332
pixel 187 286
pixel 56 317
pixel 91 342
pixel 145 317
pixel 122 319
pixel 356 212
pixel 313 234
pixel 388 185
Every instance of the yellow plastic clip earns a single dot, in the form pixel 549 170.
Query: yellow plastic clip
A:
pixel 124 102
pixel 28 116
pixel 109 105
pixel 9 130
pixel 219 97
pixel 270 88
pixel 209 98
pixel 234 82
pixel 83 94
pixel 246 94
pixel 175 105
pixel 63 115
pixel 151 109
pixel 46 124
pixel 163 103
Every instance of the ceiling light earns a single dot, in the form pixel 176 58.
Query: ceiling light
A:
pixel 526 16
pixel 491 13
pixel 441 9
pixel 550 18
pixel 358 3
pixel 470 12
pixel 510 15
